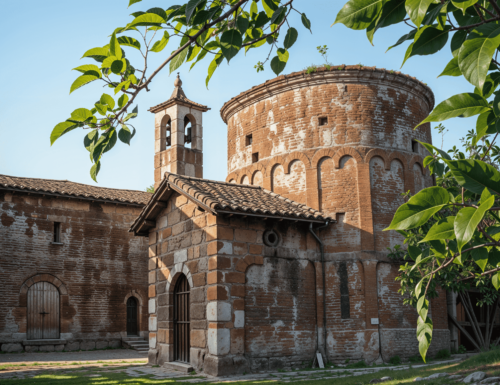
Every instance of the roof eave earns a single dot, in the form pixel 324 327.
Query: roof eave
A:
pixel 167 104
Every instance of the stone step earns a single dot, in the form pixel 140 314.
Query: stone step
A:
pixel 179 366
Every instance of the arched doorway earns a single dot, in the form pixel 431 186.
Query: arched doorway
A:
pixel 43 311
pixel 132 316
pixel 181 320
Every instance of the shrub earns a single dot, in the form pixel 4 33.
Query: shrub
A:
pixel 415 359
pixel 359 364
pixel 396 360
pixel 443 354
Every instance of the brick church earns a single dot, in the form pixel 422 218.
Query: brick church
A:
pixel 284 259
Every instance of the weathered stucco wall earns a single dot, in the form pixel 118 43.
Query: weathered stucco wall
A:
pixel 97 266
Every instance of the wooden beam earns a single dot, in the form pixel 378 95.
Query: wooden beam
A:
pixel 150 223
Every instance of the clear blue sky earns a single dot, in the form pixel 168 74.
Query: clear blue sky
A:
pixel 38 56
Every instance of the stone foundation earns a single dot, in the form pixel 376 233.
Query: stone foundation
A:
pixel 32 346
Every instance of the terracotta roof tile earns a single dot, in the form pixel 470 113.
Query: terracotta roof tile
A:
pixel 72 189
pixel 228 198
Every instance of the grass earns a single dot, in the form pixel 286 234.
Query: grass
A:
pixel 488 362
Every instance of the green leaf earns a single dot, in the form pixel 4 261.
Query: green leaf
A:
pixel 125 135
pixel 158 11
pixel 90 139
pixel 463 4
pixel 110 143
pixel 475 56
pixel 276 15
pixel 480 256
pixel 160 44
pixel 485 124
pixel 231 42
pixel 485 195
pixel 146 20
pixel 428 40
pixel 98 54
pixel 122 100
pixel 242 23
pixel 467 220
pixel 106 99
pixel 254 9
pixel 101 108
pixel 414 252
pixel 213 66
pixel 133 2
pixel 443 229
pixel 123 85
pixel 424 335
pixel 475 175
pixel 495 280
pixel 290 37
pixel 277 65
pixel 464 105
pixel 129 41
pixel 393 12
pixel 283 54
pixel 496 104
pixel 261 20
pixel 177 61
pixel 456 42
pixel 81 114
pixel 306 22
pixel 417 9
pixel 490 84
pixel 118 66
pixel 61 129
pixel 429 147
pixel 418 288
pixel 452 68
pixel 190 8
pixel 269 6
pixel 422 307
pixel 80 81
pixel 114 47
pixel 404 38
pixel 419 209
pixel 94 170
pixel 358 14
pixel 88 67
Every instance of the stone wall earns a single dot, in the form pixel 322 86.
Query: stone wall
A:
pixel 96 266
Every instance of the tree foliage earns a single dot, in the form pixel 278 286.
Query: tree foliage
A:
pixel 210 30
pixel 452 230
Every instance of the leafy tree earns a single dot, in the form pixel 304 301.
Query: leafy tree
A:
pixel 197 29
pixel 452 230
pixel 150 189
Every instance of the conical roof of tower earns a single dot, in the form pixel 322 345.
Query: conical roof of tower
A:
pixel 178 97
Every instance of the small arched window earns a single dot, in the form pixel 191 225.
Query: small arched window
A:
pixel 168 133
pixel 187 132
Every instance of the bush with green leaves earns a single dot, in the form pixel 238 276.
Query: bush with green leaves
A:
pixel 395 360
pixel 195 31
pixel 452 230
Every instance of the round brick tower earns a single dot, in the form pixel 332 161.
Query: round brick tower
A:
pixel 343 141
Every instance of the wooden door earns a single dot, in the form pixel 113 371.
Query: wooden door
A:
pixel 131 316
pixel 43 311
pixel 181 320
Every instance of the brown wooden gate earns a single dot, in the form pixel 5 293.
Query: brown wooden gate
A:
pixel 43 311
pixel 181 320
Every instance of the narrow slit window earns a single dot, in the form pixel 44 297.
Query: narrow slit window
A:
pixel 323 121
pixel 57 232
pixel 248 140
pixel 255 157
pixel 345 307
pixel 414 146
pixel 168 133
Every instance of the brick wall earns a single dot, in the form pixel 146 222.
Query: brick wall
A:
pixel 97 267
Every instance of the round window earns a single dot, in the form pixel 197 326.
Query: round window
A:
pixel 271 238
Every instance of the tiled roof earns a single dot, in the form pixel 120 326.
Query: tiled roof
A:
pixel 228 198
pixel 74 190
pixel 178 97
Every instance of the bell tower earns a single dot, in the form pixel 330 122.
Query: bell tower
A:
pixel 178 135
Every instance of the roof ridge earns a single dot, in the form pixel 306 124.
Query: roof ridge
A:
pixel 69 181
pixel 213 181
